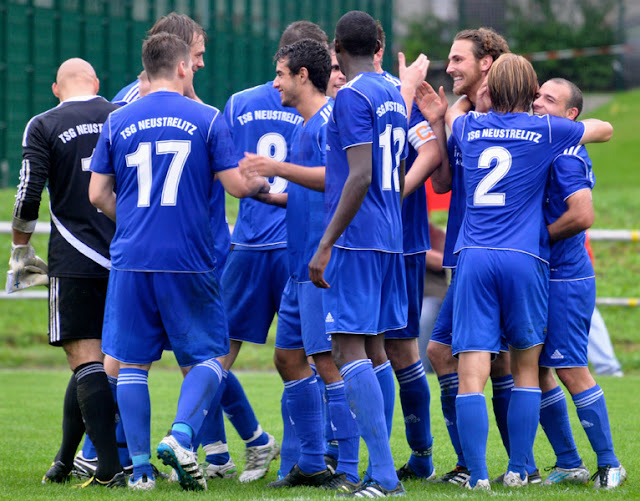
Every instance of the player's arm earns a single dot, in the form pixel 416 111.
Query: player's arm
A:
pixel 596 131
pixel 25 268
pixel 353 193
pixel 424 165
pixel 411 77
pixel 578 217
pixel 240 186
pixel 258 165
pixel 101 194
pixel 461 107
pixel 277 199
pixel 434 107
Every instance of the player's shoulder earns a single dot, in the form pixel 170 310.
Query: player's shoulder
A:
pixel 393 80
pixel 575 153
pixel 250 94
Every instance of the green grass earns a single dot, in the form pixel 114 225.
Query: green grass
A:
pixel 31 413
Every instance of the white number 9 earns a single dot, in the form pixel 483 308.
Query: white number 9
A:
pixel 274 145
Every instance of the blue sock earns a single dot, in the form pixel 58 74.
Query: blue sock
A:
pixel 345 431
pixel 217 451
pixel 212 430
pixel 365 398
pixel 88 449
pixel 593 415
pixel 554 419
pixel 290 447
pixel 135 411
pixel 326 430
pixel 121 439
pixel 415 398
pixel 304 404
pixel 240 413
pixel 473 427
pixel 523 419
pixel 384 373
pixel 501 396
pixel 448 393
pixel 198 389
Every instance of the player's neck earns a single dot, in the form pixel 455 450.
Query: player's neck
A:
pixel 356 65
pixel 162 84
pixel 310 105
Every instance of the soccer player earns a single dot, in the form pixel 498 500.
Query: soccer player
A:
pixel 303 70
pixel 401 346
pixel 470 58
pixel 502 275
pixel 161 154
pixel 188 30
pixel 336 79
pixel 361 249
pixel 57 149
pixel 572 294
pixel 256 271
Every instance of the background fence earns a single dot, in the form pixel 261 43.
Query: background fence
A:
pixel 37 35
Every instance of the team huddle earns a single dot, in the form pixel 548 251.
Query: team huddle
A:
pixel 329 161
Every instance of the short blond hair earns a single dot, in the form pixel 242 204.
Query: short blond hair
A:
pixel 512 84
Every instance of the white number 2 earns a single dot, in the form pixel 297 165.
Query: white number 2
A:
pixel 388 145
pixel 274 145
pixel 141 159
pixel 503 163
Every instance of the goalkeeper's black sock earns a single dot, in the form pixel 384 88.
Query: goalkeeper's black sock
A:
pixel 98 411
pixel 72 425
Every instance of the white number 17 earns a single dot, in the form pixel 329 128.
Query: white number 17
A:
pixel 141 159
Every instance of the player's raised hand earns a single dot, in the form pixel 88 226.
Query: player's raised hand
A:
pixel 433 106
pixel 317 266
pixel 258 165
pixel 412 76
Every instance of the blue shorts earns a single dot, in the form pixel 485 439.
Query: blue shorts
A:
pixel 252 285
pixel 444 323
pixel 415 266
pixel 368 293
pixel 496 290
pixel 146 312
pixel 300 319
pixel 571 304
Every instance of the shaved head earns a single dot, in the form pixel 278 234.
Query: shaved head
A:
pixel 75 77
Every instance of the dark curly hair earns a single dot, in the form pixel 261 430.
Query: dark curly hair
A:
pixel 308 54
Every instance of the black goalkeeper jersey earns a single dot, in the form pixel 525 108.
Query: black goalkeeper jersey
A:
pixel 56 149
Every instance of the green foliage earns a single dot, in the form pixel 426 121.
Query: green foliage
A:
pixel 428 35
pixel 536 26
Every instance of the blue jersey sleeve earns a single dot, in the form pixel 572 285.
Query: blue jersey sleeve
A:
pixel 221 149
pixel 353 114
pixel 564 133
pixel 101 158
pixel 572 173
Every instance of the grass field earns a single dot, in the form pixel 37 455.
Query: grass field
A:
pixel 31 413
pixel 30 401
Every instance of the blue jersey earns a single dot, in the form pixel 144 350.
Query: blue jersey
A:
pixel 415 221
pixel 570 172
pixel 368 110
pixel 457 204
pixel 506 160
pixel 305 207
pixel 128 94
pixel 164 150
pixel 260 124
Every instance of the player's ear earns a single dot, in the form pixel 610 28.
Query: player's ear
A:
pixel 571 113
pixel 96 86
pixel 485 63
pixel 303 74
pixel 54 89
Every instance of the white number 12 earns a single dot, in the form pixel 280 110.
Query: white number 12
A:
pixel 387 145
pixel 141 159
